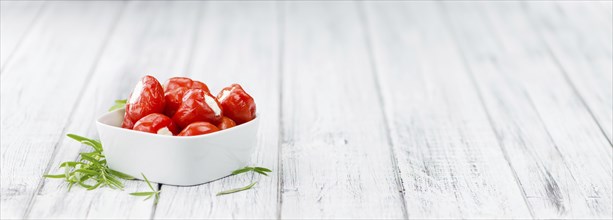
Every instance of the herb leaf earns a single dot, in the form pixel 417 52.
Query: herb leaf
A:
pixel 55 176
pixel 78 138
pixel 153 192
pixel 242 170
pixel 70 163
pixel 142 193
pixel 263 169
pixel 118 104
pixel 121 175
pixel 260 170
pixel 90 170
pixel 237 189
pixel 148 183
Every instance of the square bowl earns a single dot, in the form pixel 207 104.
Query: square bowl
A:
pixel 173 160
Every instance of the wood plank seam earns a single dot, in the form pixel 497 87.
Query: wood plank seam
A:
pixel 25 35
pixel 129 44
pixel 572 85
pixel 549 136
pixel 473 80
pixel 194 41
pixel 368 41
pixel 280 7
pixel 79 99
pixel 155 205
pixel 551 194
pixel 565 74
pixel 448 159
pixel 337 186
pixel 231 49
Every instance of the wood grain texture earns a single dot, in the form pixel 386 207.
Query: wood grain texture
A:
pixel 336 154
pixel 583 47
pixel 237 43
pixel 535 124
pixel 369 109
pixel 16 19
pixel 451 163
pixel 40 88
pixel 597 23
pixel 150 38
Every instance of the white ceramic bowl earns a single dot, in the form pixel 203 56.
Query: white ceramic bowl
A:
pixel 175 160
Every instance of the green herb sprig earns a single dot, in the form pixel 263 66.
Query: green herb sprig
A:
pixel 236 190
pixel 118 104
pixel 152 193
pixel 260 170
pixel 91 170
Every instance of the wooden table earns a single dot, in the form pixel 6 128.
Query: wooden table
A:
pixel 369 109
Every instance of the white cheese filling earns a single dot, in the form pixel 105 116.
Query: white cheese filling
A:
pixel 224 94
pixel 210 101
pixel 136 93
pixel 164 131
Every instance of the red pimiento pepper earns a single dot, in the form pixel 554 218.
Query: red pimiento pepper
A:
pixel 237 104
pixel 156 123
pixel 226 123
pixel 177 82
pixel 175 88
pixel 198 128
pixel 197 105
pixel 200 85
pixel 146 98
pixel 173 100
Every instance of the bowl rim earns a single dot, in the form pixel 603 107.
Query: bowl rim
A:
pixel 257 117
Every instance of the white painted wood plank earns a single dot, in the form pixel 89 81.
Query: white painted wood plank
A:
pixel 562 160
pixel 590 17
pixel 40 87
pixel 606 6
pixel 16 18
pixel 237 43
pixel 336 154
pixel 583 47
pixel 150 38
pixel 450 161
